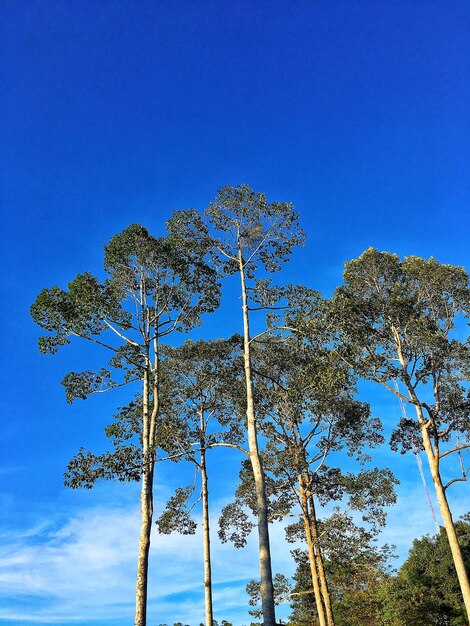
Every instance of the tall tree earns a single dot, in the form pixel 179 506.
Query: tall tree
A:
pixel 202 376
pixel 397 326
pixel 313 416
pixel 254 238
pixel 155 286
pixel 305 395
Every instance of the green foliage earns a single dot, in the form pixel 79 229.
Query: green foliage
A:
pixel 396 321
pixel 85 469
pixel 168 273
pixel 305 400
pixel 355 568
pixel 391 320
pixel 199 413
pixel 307 397
pixel 426 591
pixel 175 516
pixel 302 602
pixel 235 525
pixel 206 380
pixel 82 384
pixel 154 286
pixel 262 233
pixel 282 589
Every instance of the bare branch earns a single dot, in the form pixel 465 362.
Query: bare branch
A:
pixel 458 448
pixel 99 343
pixel 461 479
pixel 115 330
pixel 294 593
pixel 228 445
pixel 272 330
pixel 226 254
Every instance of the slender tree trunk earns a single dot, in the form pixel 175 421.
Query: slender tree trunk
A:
pixel 432 455
pixel 146 495
pixel 206 533
pixel 267 588
pixel 311 553
pixel 319 559
pixel 146 507
pixel 312 518
pixel 433 460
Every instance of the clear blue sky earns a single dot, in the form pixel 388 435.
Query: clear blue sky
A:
pixel 115 112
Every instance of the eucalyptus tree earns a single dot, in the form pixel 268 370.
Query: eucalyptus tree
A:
pixel 305 395
pixel 312 416
pixel 399 323
pixel 358 571
pixel 254 239
pixel 203 412
pixel 154 287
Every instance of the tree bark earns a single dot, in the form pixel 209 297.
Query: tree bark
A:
pixel 319 560
pixel 311 554
pixel 206 533
pixel 146 507
pixel 432 454
pixel 307 480
pixel 267 587
pixel 444 508
pixel 146 494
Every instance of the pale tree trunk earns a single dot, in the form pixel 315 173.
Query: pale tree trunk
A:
pixel 319 559
pixel 149 419
pixel 146 510
pixel 311 554
pixel 312 519
pixel 146 507
pixel 206 533
pixel 433 460
pixel 267 588
pixel 432 454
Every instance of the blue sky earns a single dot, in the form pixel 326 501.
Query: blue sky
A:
pixel 116 112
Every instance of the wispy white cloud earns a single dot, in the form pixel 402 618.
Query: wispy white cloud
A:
pixel 83 569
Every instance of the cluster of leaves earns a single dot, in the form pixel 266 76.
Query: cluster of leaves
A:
pixel 395 321
pixel 424 591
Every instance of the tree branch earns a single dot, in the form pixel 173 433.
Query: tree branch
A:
pixel 123 337
pixel 464 446
pixel 228 445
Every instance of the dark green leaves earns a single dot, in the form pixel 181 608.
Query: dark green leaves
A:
pixel 86 468
pixel 386 303
pixel 176 516
pixel 426 589
pixel 235 525
pixel 82 384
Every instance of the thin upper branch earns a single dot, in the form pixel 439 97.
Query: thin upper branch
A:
pixel 228 445
pixel 458 448
pixel 123 337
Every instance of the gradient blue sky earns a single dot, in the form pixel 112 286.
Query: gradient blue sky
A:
pixel 116 112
